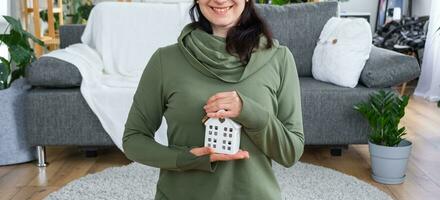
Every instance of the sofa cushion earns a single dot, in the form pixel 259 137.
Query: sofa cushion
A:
pixel 332 107
pixel 298 27
pixel 386 68
pixel 53 72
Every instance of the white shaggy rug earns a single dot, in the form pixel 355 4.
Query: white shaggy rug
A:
pixel 137 181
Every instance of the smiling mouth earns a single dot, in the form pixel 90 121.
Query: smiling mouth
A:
pixel 222 10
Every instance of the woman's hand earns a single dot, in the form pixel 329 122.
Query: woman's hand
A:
pixel 232 104
pixel 228 101
pixel 200 151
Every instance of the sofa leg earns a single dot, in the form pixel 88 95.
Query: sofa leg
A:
pixel 41 154
pixel 91 152
pixel 337 150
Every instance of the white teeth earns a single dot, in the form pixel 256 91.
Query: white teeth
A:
pixel 221 10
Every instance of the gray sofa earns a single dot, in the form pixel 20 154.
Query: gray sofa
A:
pixel 57 114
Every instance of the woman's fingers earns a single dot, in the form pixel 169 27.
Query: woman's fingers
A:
pixel 231 104
pixel 200 151
pixel 224 114
pixel 228 101
pixel 225 103
pixel 225 157
pixel 220 95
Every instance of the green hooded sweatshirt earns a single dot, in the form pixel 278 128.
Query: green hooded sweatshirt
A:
pixel 177 82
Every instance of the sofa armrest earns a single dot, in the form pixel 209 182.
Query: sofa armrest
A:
pixel 386 68
pixel 53 72
pixel 70 34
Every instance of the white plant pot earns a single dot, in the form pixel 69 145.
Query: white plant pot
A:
pixel 13 144
pixel 389 164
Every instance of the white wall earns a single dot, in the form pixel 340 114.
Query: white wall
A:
pixel 4 10
pixel 369 6
pixel 4 5
pixel 421 7
pixel 15 8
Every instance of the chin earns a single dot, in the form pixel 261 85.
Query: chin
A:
pixel 225 24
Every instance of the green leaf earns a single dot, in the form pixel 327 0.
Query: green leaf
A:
pixel 33 38
pixel 20 55
pixel 5 70
pixel 15 24
pixel 84 11
pixel 383 112
pixel 280 2
pixel 2 37
pixel 4 61
pixel 16 74
pixel 44 16
pixel 18 39
pixel 10 39
pixel 18 32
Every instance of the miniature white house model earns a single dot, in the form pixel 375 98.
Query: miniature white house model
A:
pixel 223 135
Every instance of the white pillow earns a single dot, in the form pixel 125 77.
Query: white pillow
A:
pixel 342 50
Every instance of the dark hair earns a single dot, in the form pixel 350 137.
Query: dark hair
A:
pixel 244 36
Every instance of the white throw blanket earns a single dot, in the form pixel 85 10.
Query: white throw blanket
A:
pixel 117 43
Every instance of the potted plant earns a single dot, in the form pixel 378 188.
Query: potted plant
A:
pixel 79 11
pixel 389 151
pixel 13 145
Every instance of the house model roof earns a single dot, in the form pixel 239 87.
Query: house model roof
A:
pixel 229 122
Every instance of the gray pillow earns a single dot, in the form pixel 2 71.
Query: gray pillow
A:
pixel 386 68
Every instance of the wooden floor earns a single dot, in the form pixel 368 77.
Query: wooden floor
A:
pixel 26 181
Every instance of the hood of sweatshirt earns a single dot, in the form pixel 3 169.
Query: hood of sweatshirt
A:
pixel 207 54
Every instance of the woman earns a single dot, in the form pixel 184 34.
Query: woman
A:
pixel 227 61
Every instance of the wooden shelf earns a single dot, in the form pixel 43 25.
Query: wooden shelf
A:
pixel 51 40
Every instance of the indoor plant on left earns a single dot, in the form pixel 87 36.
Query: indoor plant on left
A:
pixel 13 146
